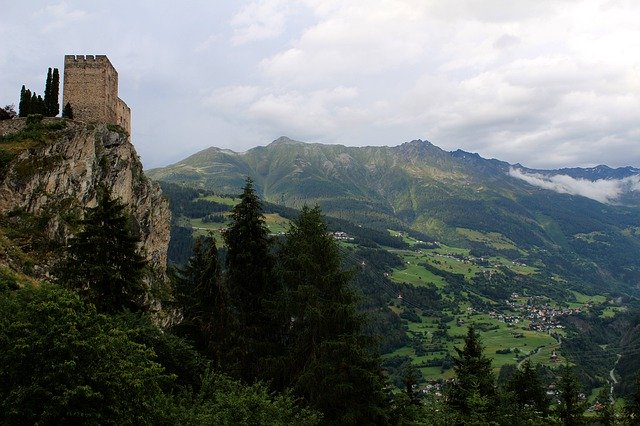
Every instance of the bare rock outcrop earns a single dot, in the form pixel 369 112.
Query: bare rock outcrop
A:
pixel 62 175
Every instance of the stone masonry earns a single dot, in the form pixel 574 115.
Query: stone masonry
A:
pixel 91 87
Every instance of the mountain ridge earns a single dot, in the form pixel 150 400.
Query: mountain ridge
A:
pixel 455 197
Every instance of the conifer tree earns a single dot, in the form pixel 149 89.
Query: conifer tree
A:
pixel 67 112
pixel 570 407
pixel 36 105
pixel 632 404
pixel 527 388
pixel 47 94
pixel 249 274
pixel 473 392
pixel 605 409
pixel 103 263
pixel 23 106
pixel 327 360
pixel 54 105
pixel 202 298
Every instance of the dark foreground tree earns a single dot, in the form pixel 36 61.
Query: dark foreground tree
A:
pixel 570 408
pixel 528 391
pixel 63 363
pixel 328 360
pixel 632 404
pixel 103 263
pixel 604 407
pixel 473 392
pixel 249 275
pixel 202 297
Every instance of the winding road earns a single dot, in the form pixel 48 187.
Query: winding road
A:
pixel 613 381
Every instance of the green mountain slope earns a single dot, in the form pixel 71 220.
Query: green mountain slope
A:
pixel 457 198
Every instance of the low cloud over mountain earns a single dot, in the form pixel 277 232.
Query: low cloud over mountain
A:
pixel 602 190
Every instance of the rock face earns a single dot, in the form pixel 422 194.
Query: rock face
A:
pixel 62 175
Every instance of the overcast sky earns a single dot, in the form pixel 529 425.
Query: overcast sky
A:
pixel 543 83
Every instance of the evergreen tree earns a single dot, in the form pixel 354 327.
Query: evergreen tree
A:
pixel 632 404
pixel 570 407
pixel 327 360
pixel 527 388
pixel 103 262
pixel 604 407
pixel 67 112
pixel 23 106
pixel 202 297
pixel 249 274
pixel 473 391
pixel 36 105
pixel 54 104
pixel 47 95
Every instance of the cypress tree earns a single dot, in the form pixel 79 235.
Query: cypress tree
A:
pixel 54 106
pixel 327 360
pixel 249 274
pixel 47 95
pixel 24 102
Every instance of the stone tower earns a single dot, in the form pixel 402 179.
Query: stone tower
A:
pixel 91 87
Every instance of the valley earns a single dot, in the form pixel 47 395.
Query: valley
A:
pixel 516 322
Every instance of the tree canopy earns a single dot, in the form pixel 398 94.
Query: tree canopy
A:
pixel 103 261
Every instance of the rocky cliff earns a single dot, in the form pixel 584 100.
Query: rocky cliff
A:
pixel 55 168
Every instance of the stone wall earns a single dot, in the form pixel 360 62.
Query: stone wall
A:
pixel 17 124
pixel 91 87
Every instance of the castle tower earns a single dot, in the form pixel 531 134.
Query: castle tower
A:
pixel 91 87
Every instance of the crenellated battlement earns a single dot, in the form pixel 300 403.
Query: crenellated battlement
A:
pixel 91 87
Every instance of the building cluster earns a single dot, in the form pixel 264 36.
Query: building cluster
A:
pixel 541 316
pixel 341 236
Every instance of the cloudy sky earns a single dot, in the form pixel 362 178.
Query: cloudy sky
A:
pixel 545 83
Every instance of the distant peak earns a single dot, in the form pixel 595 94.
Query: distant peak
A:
pixel 283 140
pixel 420 142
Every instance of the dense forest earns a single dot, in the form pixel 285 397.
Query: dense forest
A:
pixel 274 331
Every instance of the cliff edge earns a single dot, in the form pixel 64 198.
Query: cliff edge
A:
pixel 51 169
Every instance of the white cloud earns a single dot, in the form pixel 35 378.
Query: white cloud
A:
pixel 546 83
pixel 61 15
pixel 602 190
pixel 260 20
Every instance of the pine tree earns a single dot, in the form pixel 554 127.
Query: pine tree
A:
pixel 202 298
pixel 473 391
pixel 527 388
pixel 67 112
pixel 327 360
pixel 103 262
pixel 570 407
pixel 605 409
pixel 249 274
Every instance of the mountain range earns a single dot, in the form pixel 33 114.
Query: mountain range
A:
pixel 581 224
